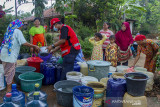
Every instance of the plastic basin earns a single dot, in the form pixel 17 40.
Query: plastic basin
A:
pixel 29 79
pixel 64 94
pixel 21 70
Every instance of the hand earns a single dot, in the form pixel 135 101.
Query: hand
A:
pixel 37 49
pixel 52 51
pixel 158 53
pixel 31 50
pixel 49 48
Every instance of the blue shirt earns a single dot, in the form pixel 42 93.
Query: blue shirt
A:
pixel 80 56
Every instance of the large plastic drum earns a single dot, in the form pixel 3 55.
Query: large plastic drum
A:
pixel 98 69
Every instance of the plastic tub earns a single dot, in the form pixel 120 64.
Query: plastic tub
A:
pixel 74 76
pixel 83 96
pixel 64 94
pixel 35 62
pixel 29 79
pixel 136 83
pixel 21 70
pixel 87 79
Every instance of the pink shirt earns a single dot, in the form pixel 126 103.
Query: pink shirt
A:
pixel 107 33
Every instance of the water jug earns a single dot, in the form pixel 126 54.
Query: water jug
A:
pixel 58 72
pixel 42 95
pixel 115 91
pixel 48 70
pixel 36 102
pixel 8 101
pixel 17 96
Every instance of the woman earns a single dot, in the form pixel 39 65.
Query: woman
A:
pixel 124 40
pixel 105 31
pixel 150 49
pixel 10 48
pixel 37 34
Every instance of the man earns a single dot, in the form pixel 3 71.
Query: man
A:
pixel 68 43
pixel 2 13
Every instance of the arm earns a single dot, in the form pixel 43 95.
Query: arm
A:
pixel 136 60
pixel 103 39
pixel 55 49
pixel 32 46
pixel 91 40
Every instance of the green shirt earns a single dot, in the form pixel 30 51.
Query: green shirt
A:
pixel 34 30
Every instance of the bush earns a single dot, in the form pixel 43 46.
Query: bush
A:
pixel 49 39
pixel 86 47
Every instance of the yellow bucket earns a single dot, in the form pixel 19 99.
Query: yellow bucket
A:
pixel 99 89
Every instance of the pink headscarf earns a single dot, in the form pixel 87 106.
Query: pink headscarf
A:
pixel 124 38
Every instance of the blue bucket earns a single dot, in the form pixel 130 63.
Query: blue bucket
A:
pixel 83 96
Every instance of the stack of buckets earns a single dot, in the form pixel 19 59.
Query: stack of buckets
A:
pixel 136 83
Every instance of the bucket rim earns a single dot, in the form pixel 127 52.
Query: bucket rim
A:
pixel 64 91
pixel 101 65
pixel 137 79
pixel 42 76
pixel 82 93
pixel 32 68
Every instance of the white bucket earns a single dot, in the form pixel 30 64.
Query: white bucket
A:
pixel 2 83
pixel 87 79
pixel 112 69
pixel 121 68
pixel 74 76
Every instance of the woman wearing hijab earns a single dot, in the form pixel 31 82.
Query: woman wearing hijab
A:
pixel 150 49
pixel 10 48
pixel 124 40
pixel 37 36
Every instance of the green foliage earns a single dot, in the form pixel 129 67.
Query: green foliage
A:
pixel 70 20
pixel 49 39
pixel 86 47
pixel 84 32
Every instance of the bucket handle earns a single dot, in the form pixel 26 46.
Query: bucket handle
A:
pixel 91 68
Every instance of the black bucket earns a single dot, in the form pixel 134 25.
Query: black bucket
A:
pixel 136 83
pixel 64 94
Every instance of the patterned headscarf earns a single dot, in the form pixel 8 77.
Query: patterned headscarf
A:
pixel 8 37
pixel 140 38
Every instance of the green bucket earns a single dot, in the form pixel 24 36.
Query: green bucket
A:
pixel 29 79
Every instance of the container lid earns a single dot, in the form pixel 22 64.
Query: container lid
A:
pixel 8 95
pixel 34 59
pixel 36 93
pixel 36 85
pixel 98 63
pixel 14 86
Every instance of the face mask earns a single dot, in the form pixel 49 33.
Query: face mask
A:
pixel 55 29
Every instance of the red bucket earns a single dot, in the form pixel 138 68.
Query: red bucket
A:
pixel 35 62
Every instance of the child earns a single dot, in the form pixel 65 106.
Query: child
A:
pixel 97 41
pixel 13 39
pixel 111 51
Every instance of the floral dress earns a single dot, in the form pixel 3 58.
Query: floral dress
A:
pixel 111 54
pixel 150 51
pixel 97 53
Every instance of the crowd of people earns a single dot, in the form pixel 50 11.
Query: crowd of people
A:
pixel 107 46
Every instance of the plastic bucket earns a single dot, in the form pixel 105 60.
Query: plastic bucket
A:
pixel 35 62
pixel 74 76
pixel 87 79
pixel 83 96
pixel 21 70
pixel 45 56
pixel 99 89
pixel 64 94
pixel 136 83
pixel 118 75
pixel 121 68
pixel 29 79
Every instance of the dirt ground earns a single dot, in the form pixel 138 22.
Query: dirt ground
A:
pixel 152 99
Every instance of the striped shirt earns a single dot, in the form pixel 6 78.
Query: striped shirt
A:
pixel 107 33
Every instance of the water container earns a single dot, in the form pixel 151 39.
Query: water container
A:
pixel 17 96
pixel 8 102
pixel 87 79
pixel 42 95
pixel 98 69
pixel 77 67
pixel 136 83
pixel 74 76
pixel 49 72
pixel 83 96
pixel 84 68
pixel 36 102
pixel 35 62
pixel 53 59
pixel 2 83
pixel 58 72
pixel 45 56
pixel 115 91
